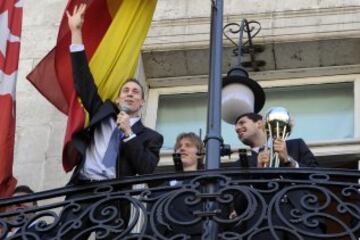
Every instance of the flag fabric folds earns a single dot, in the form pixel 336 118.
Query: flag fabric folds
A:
pixel 10 31
pixel 113 34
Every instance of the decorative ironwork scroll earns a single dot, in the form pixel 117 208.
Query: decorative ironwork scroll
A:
pixel 250 204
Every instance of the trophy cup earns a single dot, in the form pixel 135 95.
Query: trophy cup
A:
pixel 278 125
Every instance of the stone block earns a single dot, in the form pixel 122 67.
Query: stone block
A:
pixel 37 41
pixel 23 86
pixel 30 174
pixel 54 174
pixel 31 144
pixel 56 138
pixel 34 109
pixel 43 13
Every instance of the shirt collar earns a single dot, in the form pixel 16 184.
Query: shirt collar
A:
pixel 133 120
pixel 257 149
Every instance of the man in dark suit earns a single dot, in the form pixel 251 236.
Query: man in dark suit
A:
pixel 116 143
pixel 139 146
pixel 292 153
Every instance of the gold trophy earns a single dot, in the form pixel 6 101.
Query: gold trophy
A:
pixel 278 125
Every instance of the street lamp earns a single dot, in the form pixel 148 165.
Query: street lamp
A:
pixel 237 75
pixel 241 94
pixel 236 93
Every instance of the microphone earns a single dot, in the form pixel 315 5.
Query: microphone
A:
pixel 226 150
pixel 177 162
pixel 125 109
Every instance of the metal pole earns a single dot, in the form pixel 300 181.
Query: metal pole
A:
pixel 213 137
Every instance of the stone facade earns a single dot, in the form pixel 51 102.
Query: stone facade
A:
pixel 176 53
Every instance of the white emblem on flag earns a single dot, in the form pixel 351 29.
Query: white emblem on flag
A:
pixel 7 84
pixel 19 4
pixel 5 33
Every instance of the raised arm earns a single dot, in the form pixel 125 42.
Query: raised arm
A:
pixel 83 80
pixel 75 22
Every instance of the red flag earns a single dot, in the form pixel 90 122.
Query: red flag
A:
pixel 53 76
pixel 10 30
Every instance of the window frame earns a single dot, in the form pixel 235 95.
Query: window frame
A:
pixel 320 148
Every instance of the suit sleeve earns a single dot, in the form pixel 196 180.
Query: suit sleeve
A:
pixel 84 82
pixel 143 156
pixel 305 157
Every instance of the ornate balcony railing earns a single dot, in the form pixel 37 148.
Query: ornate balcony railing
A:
pixel 250 204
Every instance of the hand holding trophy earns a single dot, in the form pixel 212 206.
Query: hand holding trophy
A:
pixel 278 126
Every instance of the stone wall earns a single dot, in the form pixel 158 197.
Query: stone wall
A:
pixel 39 126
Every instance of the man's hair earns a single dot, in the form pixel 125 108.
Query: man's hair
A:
pixel 196 140
pixel 23 189
pixel 252 116
pixel 134 81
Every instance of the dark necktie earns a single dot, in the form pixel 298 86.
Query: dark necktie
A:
pixel 254 156
pixel 113 148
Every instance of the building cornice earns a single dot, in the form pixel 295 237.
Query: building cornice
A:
pixel 277 26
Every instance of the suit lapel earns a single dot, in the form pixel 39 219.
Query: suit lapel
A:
pixel 138 127
pixel 252 160
pixel 106 110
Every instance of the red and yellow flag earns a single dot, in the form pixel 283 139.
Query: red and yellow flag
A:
pixel 113 34
pixel 10 31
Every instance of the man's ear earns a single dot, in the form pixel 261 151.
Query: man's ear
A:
pixel 260 124
pixel 142 102
pixel 117 100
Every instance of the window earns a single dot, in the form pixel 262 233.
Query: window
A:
pixel 322 112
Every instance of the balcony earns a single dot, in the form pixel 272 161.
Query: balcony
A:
pixel 229 203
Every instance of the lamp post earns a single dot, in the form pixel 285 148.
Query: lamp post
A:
pixel 241 94
pixel 213 137
pixel 236 75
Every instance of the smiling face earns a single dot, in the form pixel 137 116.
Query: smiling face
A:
pixel 189 153
pixel 249 131
pixel 131 97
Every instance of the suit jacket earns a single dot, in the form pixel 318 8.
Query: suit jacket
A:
pixel 139 155
pixel 296 148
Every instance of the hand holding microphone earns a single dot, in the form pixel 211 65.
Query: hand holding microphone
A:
pixel 123 121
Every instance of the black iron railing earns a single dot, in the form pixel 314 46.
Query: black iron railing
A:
pixel 250 204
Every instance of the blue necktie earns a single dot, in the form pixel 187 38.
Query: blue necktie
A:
pixel 113 148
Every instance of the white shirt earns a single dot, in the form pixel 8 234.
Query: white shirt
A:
pixel 93 167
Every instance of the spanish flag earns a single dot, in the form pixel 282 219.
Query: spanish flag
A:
pixel 113 34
